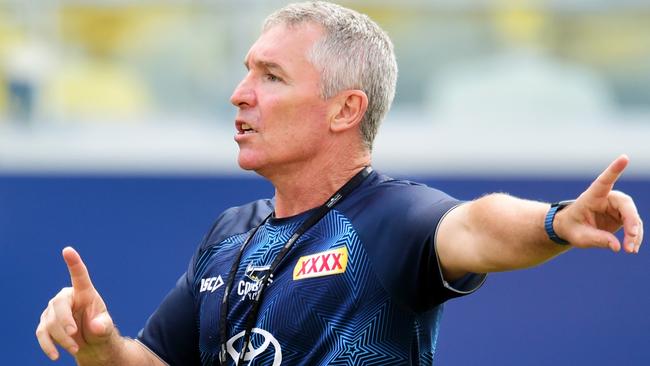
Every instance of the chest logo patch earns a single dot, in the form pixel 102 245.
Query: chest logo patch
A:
pixel 326 263
pixel 211 284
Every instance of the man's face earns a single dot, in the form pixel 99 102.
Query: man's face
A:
pixel 282 119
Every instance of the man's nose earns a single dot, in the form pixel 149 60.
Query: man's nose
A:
pixel 243 95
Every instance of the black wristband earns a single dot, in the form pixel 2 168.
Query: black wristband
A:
pixel 550 216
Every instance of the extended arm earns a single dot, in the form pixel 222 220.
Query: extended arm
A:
pixel 77 319
pixel 498 232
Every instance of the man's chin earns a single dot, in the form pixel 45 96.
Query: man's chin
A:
pixel 246 166
pixel 247 163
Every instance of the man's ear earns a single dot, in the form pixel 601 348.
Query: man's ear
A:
pixel 349 108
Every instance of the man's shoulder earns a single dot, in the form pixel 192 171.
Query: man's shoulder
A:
pixel 238 220
pixel 403 192
pixel 389 202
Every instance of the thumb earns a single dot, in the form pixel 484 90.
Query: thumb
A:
pixel 590 237
pixel 100 328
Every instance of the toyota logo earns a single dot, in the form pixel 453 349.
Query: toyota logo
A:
pixel 254 352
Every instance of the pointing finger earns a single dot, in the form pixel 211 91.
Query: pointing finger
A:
pixel 605 181
pixel 78 272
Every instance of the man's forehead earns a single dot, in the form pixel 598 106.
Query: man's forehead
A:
pixel 282 42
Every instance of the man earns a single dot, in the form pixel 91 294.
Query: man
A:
pixel 344 266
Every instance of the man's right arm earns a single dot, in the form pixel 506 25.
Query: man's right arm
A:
pixel 77 320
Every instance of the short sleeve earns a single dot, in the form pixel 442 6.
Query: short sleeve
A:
pixel 445 289
pixel 397 223
pixel 171 331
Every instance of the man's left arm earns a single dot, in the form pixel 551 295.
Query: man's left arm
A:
pixel 498 232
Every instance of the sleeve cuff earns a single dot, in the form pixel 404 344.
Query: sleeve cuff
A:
pixel 466 284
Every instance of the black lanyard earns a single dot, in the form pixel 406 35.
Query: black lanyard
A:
pixel 308 223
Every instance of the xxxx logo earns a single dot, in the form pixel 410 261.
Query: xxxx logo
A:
pixel 321 264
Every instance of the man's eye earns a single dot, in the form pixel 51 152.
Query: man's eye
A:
pixel 271 77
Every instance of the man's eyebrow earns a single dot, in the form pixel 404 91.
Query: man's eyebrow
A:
pixel 265 64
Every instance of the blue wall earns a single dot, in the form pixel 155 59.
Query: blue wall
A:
pixel 137 234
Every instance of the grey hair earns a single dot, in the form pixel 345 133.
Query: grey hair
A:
pixel 354 53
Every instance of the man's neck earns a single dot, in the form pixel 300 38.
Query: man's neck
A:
pixel 301 188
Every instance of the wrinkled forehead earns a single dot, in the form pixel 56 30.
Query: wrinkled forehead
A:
pixel 284 41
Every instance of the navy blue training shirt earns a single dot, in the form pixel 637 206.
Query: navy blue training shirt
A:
pixel 363 286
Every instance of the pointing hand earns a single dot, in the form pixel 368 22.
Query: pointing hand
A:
pixel 76 318
pixel 599 212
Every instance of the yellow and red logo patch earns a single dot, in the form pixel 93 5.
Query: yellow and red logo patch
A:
pixel 321 264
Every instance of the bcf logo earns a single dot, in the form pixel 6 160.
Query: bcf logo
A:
pixel 211 284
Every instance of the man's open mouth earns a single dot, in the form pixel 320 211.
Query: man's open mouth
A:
pixel 246 129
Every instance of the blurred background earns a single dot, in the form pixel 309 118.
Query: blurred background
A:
pixel 116 136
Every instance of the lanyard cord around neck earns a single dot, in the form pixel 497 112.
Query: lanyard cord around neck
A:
pixel 308 223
